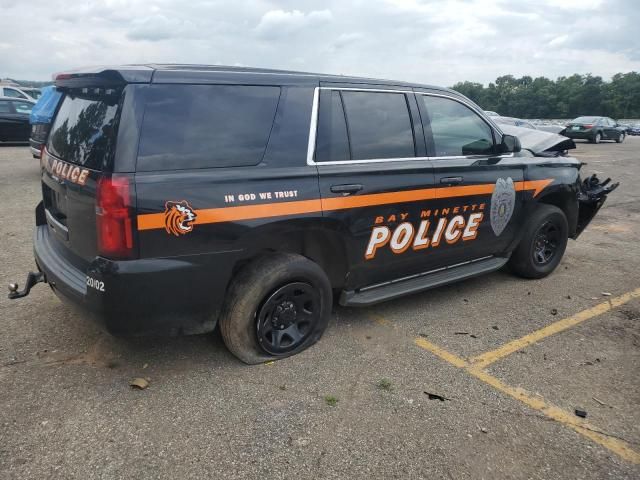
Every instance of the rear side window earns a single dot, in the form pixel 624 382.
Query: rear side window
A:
pixel 22 107
pixel 5 107
pixel 379 125
pixel 457 130
pixel 84 130
pixel 333 141
pixel 205 126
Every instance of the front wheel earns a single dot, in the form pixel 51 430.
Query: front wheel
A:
pixel 620 138
pixel 543 243
pixel 276 307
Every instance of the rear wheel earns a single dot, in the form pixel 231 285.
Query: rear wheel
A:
pixel 620 138
pixel 597 138
pixel 276 307
pixel 543 243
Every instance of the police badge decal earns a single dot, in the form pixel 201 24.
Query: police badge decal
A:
pixel 503 200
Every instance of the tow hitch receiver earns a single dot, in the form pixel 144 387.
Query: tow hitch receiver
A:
pixel 32 279
pixel 591 197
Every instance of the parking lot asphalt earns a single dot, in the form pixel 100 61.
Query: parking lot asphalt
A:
pixel 357 404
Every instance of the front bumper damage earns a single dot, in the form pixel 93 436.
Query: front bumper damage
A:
pixel 592 195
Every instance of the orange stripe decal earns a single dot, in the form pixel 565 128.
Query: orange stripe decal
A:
pixel 229 214
pixel 536 185
pixel 152 221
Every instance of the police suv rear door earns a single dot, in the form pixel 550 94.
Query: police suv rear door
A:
pixel 374 176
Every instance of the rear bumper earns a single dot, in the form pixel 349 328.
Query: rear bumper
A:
pixel 167 296
pixel 35 147
pixel 579 135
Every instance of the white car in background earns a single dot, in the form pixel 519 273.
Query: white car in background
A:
pixel 16 91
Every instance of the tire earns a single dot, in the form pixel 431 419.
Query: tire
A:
pixel 597 138
pixel 620 138
pixel 532 258
pixel 263 309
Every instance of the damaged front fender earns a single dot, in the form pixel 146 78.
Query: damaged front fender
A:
pixel 592 195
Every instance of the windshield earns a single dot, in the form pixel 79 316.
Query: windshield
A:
pixel 84 130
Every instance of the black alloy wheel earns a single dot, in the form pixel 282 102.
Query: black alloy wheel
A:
pixel 287 317
pixel 545 244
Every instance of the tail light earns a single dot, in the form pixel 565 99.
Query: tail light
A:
pixel 114 217
pixel 587 127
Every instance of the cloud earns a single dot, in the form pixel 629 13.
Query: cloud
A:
pixel 157 27
pixel 282 23
pixel 428 41
pixel 345 39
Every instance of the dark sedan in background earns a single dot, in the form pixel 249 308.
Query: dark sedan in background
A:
pixel 594 129
pixel 14 119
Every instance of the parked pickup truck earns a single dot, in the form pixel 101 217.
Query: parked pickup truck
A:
pixel 177 198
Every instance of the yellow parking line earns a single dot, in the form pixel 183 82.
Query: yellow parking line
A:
pixel 615 445
pixel 485 359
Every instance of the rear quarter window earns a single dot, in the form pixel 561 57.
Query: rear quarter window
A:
pixel 206 126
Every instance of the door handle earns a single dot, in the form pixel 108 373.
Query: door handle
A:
pixel 451 180
pixel 346 189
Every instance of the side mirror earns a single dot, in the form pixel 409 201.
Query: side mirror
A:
pixel 510 144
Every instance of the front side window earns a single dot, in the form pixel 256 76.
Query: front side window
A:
pixel 457 130
pixel 11 92
pixel 379 125
pixel 5 107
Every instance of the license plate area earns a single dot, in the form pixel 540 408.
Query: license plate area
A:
pixel 55 203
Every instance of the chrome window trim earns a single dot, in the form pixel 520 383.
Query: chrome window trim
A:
pixel 313 128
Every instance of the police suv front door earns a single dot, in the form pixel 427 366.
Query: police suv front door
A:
pixel 374 178
pixel 480 195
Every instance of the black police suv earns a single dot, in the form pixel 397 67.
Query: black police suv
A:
pixel 176 198
pixel 594 129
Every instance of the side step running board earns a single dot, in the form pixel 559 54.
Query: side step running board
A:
pixel 420 282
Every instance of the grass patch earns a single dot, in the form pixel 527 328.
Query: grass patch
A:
pixel 385 384
pixel 331 400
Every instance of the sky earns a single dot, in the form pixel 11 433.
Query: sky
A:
pixel 435 42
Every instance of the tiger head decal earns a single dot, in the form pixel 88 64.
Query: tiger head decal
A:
pixel 178 218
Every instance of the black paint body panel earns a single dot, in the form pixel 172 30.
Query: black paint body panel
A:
pixel 177 283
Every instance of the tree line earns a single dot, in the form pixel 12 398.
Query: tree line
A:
pixel 527 97
pixel 566 97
